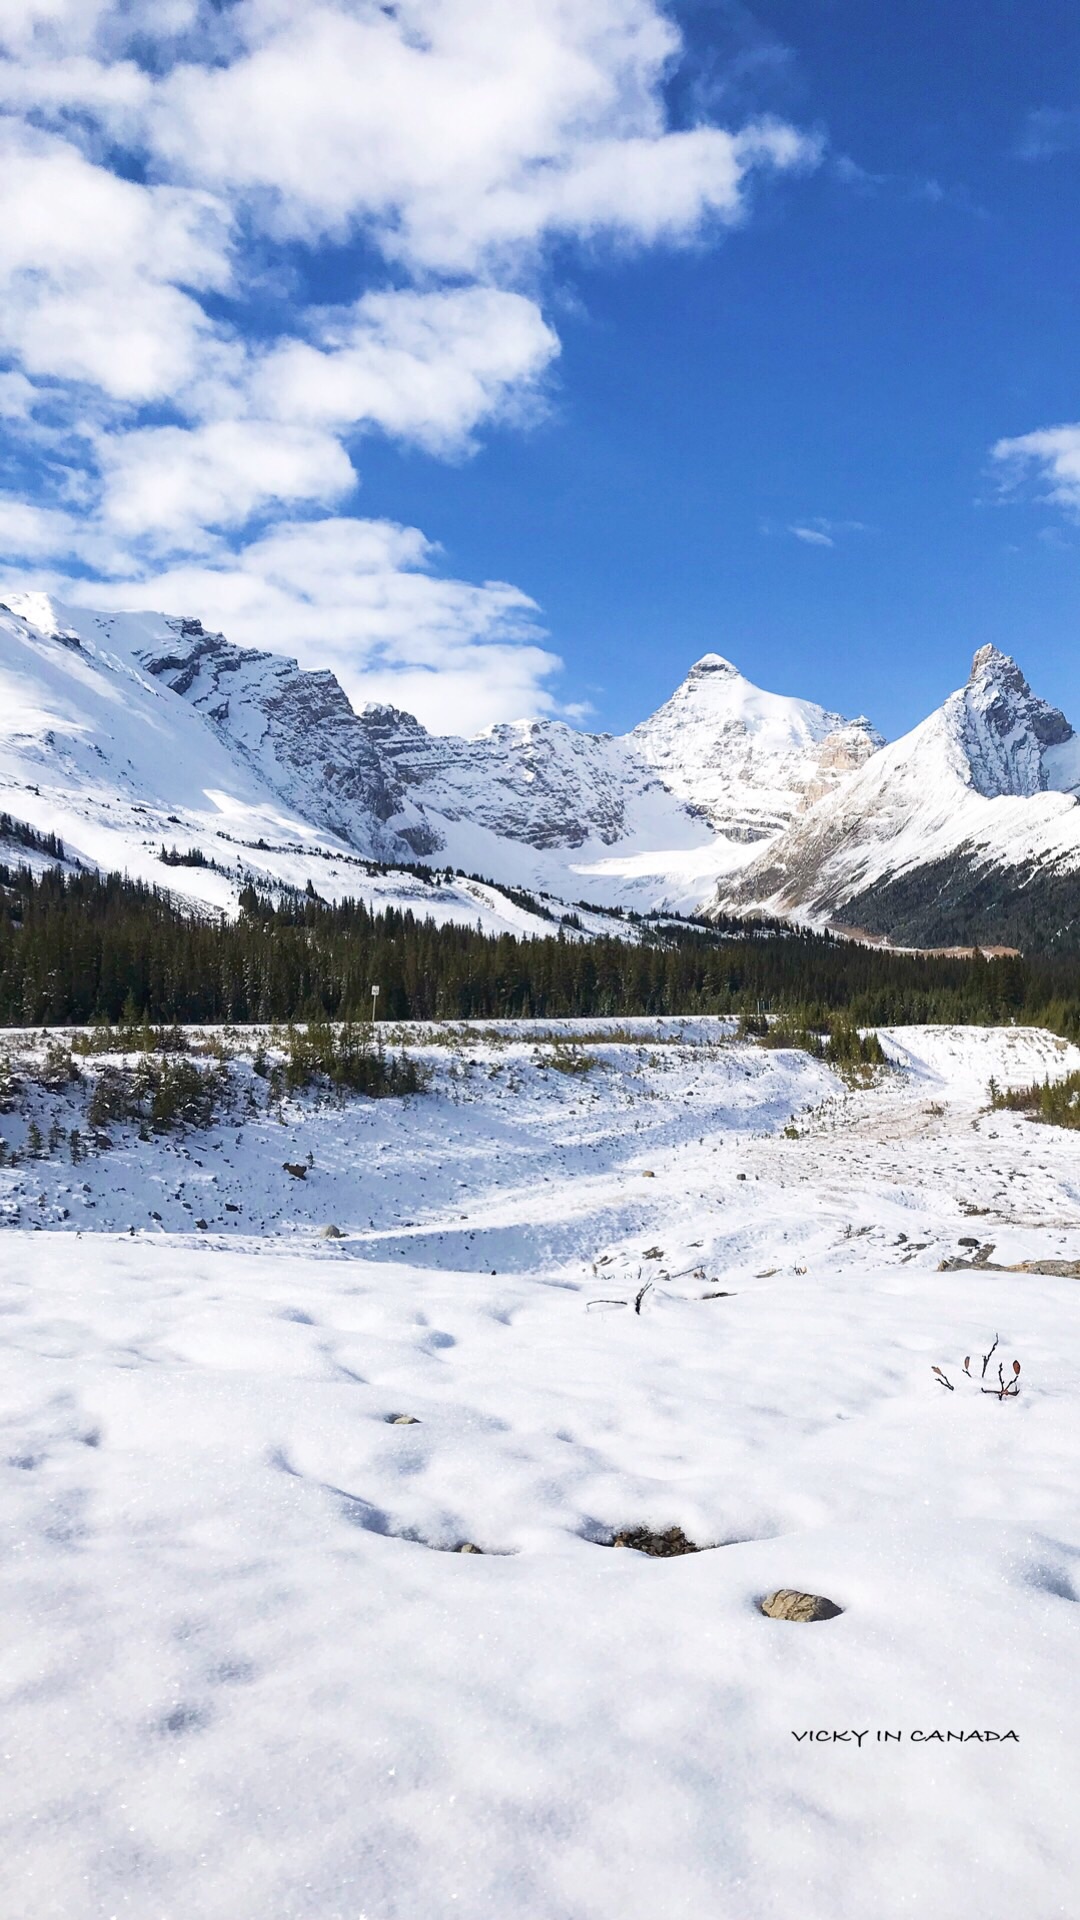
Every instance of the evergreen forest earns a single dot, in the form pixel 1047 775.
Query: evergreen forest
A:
pixel 82 947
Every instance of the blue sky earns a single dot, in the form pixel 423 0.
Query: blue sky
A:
pixel 765 344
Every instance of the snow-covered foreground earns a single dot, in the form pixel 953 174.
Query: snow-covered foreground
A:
pixel 246 1677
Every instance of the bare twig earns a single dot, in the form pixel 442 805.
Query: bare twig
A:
pixel 641 1295
pixel 1006 1389
pixel 605 1303
pixel 987 1357
pixel 942 1380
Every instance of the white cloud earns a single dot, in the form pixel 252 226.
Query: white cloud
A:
pixel 46 30
pixel 158 355
pixel 820 532
pixel 1050 457
pixel 27 26
pixel 17 396
pixel 175 483
pixel 93 270
pixel 360 596
pixel 426 367
pixel 423 367
pixel 115 94
pixel 459 130
pixel 35 532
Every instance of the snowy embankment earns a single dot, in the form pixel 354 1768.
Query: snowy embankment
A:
pixel 248 1678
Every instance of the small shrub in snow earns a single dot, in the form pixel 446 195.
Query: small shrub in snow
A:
pixel 58 1069
pixel 162 1094
pixel 1006 1387
pixel 134 1035
pixel 349 1058
pixel 840 1043
pixel 566 1057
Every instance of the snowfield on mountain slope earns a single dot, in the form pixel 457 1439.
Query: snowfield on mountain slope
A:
pixel 247 1676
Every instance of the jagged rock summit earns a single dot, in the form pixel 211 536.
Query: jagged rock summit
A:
pixel 1005 729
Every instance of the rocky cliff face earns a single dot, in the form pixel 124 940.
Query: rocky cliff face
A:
pixel 297 730
pixel 534 781
pixel 1003 730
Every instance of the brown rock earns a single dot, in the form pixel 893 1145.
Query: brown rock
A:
pixel 787 1604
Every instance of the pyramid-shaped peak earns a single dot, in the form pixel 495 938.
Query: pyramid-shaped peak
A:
pixel 989 663
pixel 713 664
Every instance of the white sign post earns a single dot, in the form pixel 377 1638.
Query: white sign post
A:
pixel 374 1003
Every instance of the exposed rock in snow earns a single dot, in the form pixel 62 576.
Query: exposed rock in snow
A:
pixel 786 1604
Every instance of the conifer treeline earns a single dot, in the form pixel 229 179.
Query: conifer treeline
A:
pixel 75 948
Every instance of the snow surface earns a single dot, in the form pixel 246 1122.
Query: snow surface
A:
pixel 246 1679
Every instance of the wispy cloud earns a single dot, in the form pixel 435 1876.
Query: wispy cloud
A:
pixel 910 187
pixel 1048 131
pixel 1046 462
pixel 815 530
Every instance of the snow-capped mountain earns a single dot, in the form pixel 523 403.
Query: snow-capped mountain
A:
pixel 743 759
pixel 127 734
pixel 152 721
pixel 987 786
